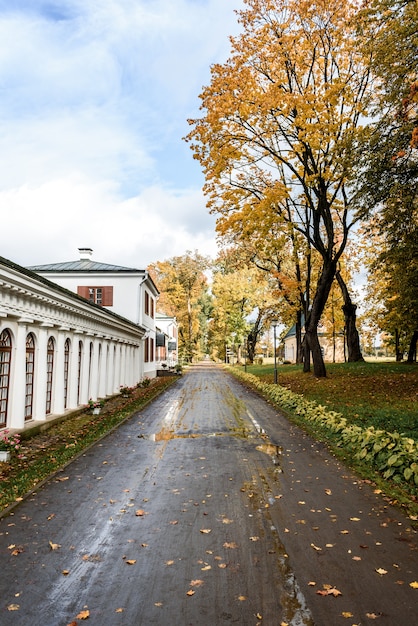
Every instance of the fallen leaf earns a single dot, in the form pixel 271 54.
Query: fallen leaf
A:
pixel 174 522
pixel 190 592
pixel 311 583
pixel 51 516
pixel 65 572
pixel 54 546
pixel 139 512
pixel 346 614
pixel 344 532
pixel 328 492
pixel 169 562
pixel 230 544
pixel 197 583
pixel 13 607
pixel 120 610
pixel 83 615
pixel 255 538
pixel 206 568
pixel 315 547
pixel 130 561
pixel 356 558
pixel 414 584
pixel 222 565
pixel 241 598
pixel 329 591
pixel 372 615
pixel 355 519
pixel 205 531
pixel 381 571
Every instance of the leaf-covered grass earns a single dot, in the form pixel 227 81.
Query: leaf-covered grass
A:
pixel 383 395
pixel 43 454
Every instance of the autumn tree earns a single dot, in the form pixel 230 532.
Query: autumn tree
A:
pixel 280 128
pixel 392 261
pixel 387 187
pixel 183 286
pixel 242 302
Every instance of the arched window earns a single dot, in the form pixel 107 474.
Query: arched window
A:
pixel 30 371
pixel 5 358
pixel 49 373
pixel 66 370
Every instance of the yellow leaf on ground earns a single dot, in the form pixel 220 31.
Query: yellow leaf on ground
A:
pixel 83 615
pixel 13 607
pixel 381 571
pixel 190 592
pixel 130 561
pixel 414 584
pixel 205 531
pixel 54 546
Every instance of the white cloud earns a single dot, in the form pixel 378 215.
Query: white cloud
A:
pixel 94 101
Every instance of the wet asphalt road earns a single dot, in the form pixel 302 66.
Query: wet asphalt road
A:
pixel 207 508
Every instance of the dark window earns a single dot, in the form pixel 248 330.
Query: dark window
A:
pixel 99 295
pixel 5 359
pixel 49 374
pixel 30 372
pixel 66 370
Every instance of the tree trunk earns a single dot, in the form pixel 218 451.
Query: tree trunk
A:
pixel 311 326
pixel 298 331
pixel 351 332
pixel 399 354
pixel 252 337
pixel 412 352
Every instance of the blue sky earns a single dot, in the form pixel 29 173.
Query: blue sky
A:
pixel 94 101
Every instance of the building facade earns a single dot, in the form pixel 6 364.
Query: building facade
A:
pixel 129 292
pixel 58 349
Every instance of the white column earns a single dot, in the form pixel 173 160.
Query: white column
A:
pixel 117 378
pixel 84 376
pixel 58 376
pixel 72 400
pixel 103 370
pixel 18 383
pixel 94 374
pixel 110 384
pixel 39 401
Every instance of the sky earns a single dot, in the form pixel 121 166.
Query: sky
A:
pixel 94 101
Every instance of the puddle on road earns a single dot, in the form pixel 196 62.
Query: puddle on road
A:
pixel 272 451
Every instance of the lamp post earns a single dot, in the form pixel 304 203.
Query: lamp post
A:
pixel 274 324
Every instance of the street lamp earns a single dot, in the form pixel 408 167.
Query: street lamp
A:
pixel 275 323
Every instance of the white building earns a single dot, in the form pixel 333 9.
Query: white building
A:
pixel 57 349
pixel 166 340
pixel 126 291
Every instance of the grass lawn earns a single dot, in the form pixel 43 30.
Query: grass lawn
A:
pixel 383 395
